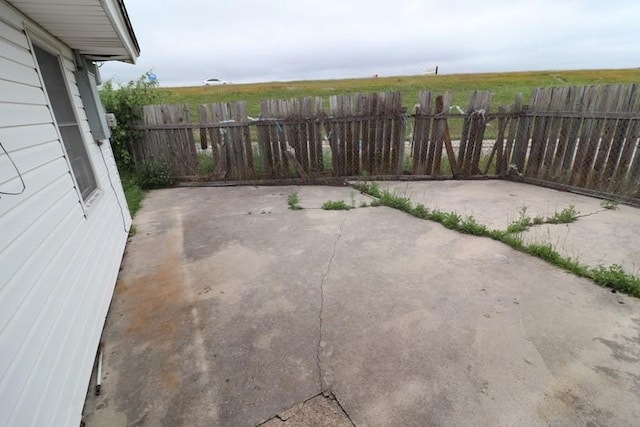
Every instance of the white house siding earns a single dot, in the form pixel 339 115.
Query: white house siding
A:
pixel 58 260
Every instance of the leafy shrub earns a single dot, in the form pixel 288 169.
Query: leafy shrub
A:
pixel 155 175
pixel 125 102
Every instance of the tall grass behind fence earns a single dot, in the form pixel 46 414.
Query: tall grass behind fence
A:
pixel 565 137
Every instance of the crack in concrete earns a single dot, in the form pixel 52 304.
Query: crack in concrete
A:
pixel 333 396
pixel 592 213
pixel 322 282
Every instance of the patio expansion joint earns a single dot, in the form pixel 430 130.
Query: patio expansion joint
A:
pixel 321 311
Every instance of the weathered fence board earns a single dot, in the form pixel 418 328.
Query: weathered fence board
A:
pixel 421 149
pixel 272 140
pixel 233 143
pixel 472 136
pixel 175 147
pixel 431 135
pixel 366 133
pixel 614 133
pixel 629 146
pixel 291 138
pixel 498 147
pixel 514 114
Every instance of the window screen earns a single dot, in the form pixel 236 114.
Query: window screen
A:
pixel 67 124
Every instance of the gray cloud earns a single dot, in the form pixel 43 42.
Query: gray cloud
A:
pixel 187 41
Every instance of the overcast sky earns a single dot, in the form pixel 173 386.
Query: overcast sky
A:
pixel 187 41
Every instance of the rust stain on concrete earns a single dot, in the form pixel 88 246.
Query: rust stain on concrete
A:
pixel 155 306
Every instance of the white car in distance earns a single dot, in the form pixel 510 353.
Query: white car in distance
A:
pixel 214 82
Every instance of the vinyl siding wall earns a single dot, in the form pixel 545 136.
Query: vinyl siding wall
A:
pixel 59 259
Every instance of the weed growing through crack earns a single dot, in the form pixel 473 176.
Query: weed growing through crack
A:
pixel 616 278
pixel 524 222
pixel 610 204
pixel 517 227
pixel 613 276
pixel 293 201
pixel 546 252
pixel 451 220
pixel 565 216
pixel 335 205
pixel 363 204
pixel 538 220
pixel 521 224
pixel 509 239
pixel 420 211
pixel 437 216
pixel 470 226
pixel 370 188
pixel 395 201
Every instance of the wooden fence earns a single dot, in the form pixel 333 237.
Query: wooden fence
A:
pixel 565 137
pixel 172 144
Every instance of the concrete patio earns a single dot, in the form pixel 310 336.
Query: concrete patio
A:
pixel 233 310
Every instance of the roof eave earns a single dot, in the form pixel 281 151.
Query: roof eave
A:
pixel 117 14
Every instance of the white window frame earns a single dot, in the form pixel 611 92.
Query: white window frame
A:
pixel 48 43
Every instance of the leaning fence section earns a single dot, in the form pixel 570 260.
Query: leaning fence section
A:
pixel 225 137
pixel 430 133
pixel 289 134
pixel 584 137
pixel 567 137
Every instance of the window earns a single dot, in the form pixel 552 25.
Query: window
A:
pixel 63 111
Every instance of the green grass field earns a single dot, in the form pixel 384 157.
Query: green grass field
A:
pixel 503 85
